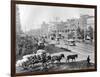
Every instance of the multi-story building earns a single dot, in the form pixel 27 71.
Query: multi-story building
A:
pixel 63 28
pixel 85 22
pixel 19 32
pixel 52 27
pixel 44 28
pixel 90 21
pixel 18 24
pixel 90 25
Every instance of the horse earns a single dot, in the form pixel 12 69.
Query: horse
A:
pixel 57 58
pixel 73 57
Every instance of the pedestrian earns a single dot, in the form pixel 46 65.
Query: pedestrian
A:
pixel 88 60
pixel 41 45
pixel 20 51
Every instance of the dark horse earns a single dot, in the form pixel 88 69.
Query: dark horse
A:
pixel 57 58
pixel 73 57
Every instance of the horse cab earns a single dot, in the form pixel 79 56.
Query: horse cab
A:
pixel 71 42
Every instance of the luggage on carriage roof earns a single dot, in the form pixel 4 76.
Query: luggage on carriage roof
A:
pixel 40 51
pixel 26 56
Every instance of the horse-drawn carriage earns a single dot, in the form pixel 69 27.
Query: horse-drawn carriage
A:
pixel 43 59
pixel 70 42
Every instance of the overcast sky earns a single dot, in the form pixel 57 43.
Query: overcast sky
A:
pixel 31 16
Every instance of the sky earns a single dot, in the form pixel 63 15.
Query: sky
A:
pixel 32 16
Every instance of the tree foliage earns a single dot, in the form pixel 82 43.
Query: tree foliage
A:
pixel 80 33
pixel 25 45
pixel 90 32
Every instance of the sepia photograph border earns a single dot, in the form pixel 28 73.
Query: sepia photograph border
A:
pixel 13 36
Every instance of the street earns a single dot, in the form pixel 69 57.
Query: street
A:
pixel 82 49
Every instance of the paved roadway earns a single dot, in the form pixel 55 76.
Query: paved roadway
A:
pixel 82 49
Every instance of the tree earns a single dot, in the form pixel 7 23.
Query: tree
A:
pixel 25 45
pixel 82 34
pixel 78 32
pixel 90 32
pixel 71 35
